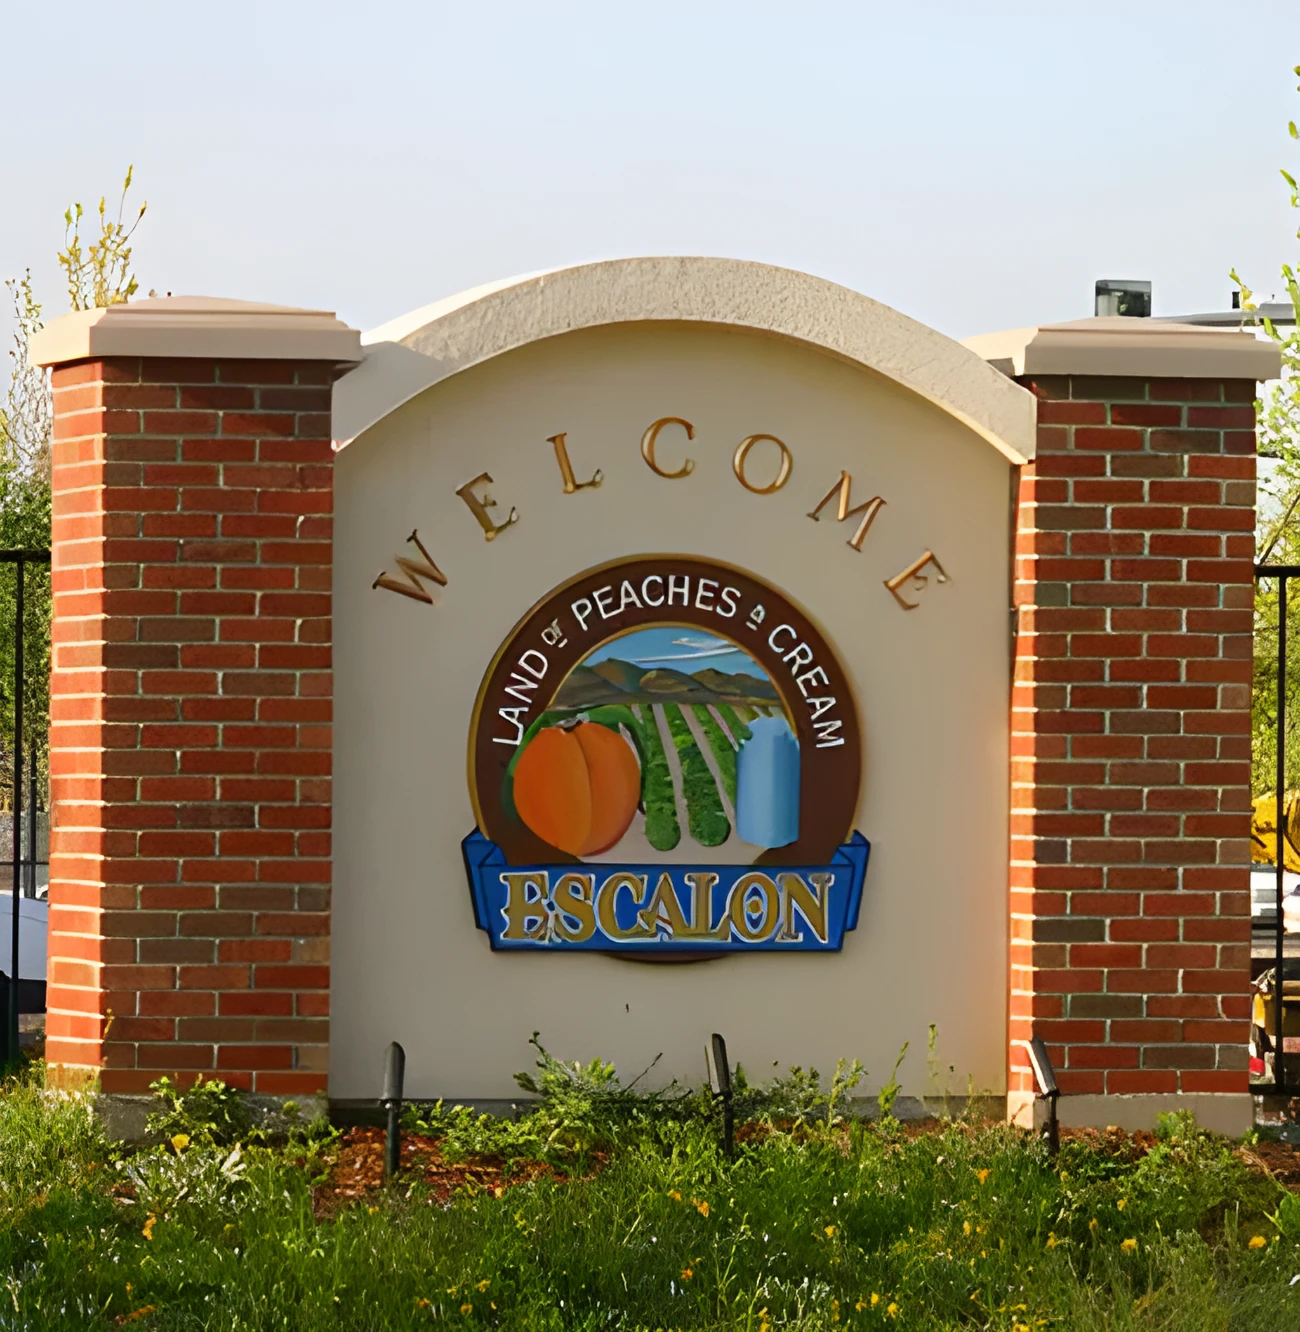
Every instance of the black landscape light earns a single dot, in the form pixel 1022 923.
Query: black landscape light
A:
pixel 715 1055
pixel 394 1075
pixel 1045 1077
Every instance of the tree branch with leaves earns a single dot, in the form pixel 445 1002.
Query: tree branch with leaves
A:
pixel 1277 535
pixel 98 273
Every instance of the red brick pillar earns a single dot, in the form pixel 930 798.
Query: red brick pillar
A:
pixel 1130 796
pixel 191 694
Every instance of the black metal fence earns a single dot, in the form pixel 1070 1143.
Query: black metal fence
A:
pixel 1278 987
pixel 18 993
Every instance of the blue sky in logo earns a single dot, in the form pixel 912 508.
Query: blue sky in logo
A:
pixel 676 648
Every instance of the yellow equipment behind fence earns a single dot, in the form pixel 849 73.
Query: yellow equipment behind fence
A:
pixel 1263 830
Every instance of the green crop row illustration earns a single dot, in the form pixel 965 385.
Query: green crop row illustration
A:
pixel 709 824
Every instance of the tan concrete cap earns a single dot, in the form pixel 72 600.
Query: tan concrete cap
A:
pixel 197 327
pixel 1141 348
pixel 411 354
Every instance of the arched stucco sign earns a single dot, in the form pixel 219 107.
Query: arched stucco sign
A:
pixel 664 588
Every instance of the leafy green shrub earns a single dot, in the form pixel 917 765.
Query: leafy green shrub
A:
pixel 580 1108
pixel 1176 1125
pixel 210 1111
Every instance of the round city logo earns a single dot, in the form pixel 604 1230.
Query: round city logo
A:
pixel 664 757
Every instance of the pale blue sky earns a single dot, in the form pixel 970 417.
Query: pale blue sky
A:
pixel 680 649
pixel 974 165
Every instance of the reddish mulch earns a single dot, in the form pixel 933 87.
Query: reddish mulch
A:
pixel 357 1171
pixel 1279 1159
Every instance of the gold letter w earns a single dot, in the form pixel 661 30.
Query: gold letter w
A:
pixel 414 571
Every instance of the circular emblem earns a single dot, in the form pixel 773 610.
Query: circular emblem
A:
pixel 664 709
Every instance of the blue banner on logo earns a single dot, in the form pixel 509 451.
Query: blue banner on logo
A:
pixel 666 908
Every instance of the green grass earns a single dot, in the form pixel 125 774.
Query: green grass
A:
pixel 970 1226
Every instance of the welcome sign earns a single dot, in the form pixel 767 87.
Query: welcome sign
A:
pixel 664 758
pixel 691 615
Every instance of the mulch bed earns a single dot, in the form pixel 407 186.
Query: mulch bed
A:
pixel 357 1171
pixel 1279 1159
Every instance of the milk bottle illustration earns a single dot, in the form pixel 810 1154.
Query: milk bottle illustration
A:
pixel 767 784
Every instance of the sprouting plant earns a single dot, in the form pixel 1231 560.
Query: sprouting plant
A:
pixel 847 1076
pixel 100 273
pixel 888 1094
pixel 209 1111
pixel 1176 1125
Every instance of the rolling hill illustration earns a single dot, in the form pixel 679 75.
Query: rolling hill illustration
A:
pixel 614 682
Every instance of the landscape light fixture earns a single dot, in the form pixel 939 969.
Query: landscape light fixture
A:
pixel 715 1056
pixel 1045 1078
pixel 1122 296
pixel 394 1076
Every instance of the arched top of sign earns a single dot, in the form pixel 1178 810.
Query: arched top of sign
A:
pixel 411 354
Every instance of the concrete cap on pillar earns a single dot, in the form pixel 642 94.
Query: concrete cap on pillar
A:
pixel 1139 348
pixel 197 327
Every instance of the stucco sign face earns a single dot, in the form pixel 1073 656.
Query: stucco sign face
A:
pixel 664 759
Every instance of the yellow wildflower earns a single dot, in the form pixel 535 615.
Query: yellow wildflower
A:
pixel 1052 1241
pixel 1257 1242
pixel 374 1211
pixel 1122 1204
pixel 181 1141
pixel 467 1308
pixel 701 1207
pixel 147 1232
pixel 422 1304
pixel 675 1194
pixel 984 1175
pixel 1129 1246
pixel 1093 1225
pixel 830 1232
pixel 860 1305
pixel 965 1227
pixel 875 1299
pixel 892 1310
pixel 687 1273
pixel 483 1285
pixel 835 1311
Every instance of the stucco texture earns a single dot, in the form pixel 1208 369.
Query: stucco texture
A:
pixel 931 690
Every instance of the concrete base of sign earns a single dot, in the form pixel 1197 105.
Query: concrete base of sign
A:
pixel 1228 1113
pixel 124 1117
pixel 347 1111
